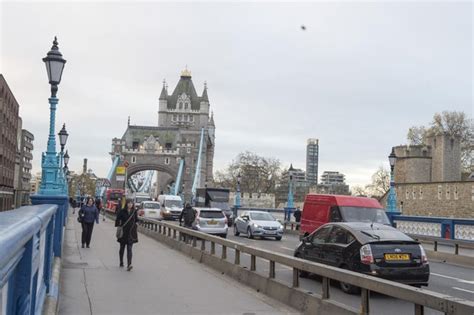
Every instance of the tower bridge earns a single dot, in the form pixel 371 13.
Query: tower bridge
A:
pixel 181 117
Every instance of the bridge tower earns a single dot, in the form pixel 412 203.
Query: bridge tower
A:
pixel 181 116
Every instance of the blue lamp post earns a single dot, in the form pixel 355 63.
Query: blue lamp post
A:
pixel 63 135
pixel 392 198
pixel 237 195
pixel 290 202
pixel 50 182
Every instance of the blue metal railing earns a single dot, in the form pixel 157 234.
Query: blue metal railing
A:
pixel 28 237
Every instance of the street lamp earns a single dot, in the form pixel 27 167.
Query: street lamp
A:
pixel 237 195
pixel 392 198
pixel 51 173
pixel 290 204
pixel 66 158
pixel 63 135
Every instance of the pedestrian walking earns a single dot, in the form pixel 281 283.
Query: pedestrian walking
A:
pixel 98 204
pixel 74 206
pixel 87 216
pixel 297 215
pixel 126 223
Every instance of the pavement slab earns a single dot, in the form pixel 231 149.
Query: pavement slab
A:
pixel 163 281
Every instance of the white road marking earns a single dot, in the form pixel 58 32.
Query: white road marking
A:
pixel 287 248
pixel 453 278
pixel 461 289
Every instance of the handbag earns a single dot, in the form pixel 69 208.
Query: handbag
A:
pixel 80 216
pixel 119 232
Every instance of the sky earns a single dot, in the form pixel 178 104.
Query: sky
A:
pixel 357 78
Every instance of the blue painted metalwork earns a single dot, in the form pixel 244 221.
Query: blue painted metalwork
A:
pixel 392 197
pixel 115 163
pixel 177 183
pixel 26 256
pixel 197 175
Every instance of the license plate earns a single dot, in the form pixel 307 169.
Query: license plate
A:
pixel 212 222
pixel 270 232
pixel 152 212
pixel 397 257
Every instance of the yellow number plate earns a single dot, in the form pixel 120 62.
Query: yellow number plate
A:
pixel 397 257
pixel 212 222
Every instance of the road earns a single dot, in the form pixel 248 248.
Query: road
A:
pixel 445 278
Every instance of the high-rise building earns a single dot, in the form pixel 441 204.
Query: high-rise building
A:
pixel 23 166
pixel 8 144
pixel 332 178
pixel 312 157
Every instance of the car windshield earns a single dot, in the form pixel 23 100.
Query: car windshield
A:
pixel 174 203
pixel 361 214
pixel 257 216
pixel 151 205
pixel 220 205
pixel 211 214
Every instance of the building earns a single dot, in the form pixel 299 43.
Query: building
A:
pixel 332 178
pixel 254 200
pixel 8 144
pixel 182 115
pixel 312 158
pixel 23 166
pixel 428 179
pixel 299 176
pixel 35 183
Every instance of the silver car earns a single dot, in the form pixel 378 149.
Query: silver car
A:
pixel 211 221
pixel 258 223
pixel 149 210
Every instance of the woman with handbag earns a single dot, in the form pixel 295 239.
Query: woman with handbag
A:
pixel 126 223
pixel 86 216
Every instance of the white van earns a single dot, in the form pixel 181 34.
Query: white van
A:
pixel 171 206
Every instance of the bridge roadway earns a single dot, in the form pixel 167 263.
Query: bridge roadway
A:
pixel 162 281
pixel 445 278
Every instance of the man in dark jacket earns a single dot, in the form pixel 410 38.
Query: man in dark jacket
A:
pixel 297 216
pixel 189 215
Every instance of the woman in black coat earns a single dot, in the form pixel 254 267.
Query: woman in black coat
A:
pixel 127 218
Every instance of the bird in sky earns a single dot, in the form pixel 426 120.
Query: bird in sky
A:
pixel 303 27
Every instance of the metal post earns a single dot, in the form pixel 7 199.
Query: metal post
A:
pixel 224 252
pixel 392 197
pixel 272 269
pixel 364 302
pixel 296 278
pixel 253 263
pixel 213 248
pixel 237 257
pixel 325 287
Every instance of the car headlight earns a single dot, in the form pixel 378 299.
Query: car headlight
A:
pixel 256 226
pixel 280 227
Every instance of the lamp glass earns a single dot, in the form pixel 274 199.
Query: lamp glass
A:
pixel 66 158
pixel 63 135
pixel 54 67
pixel 392 158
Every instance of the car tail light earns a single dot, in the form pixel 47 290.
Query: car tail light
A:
pixel 366 256
pixel 424 258
pixel 225 220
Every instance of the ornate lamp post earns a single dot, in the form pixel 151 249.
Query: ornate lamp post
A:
pixel 50 184
pixel 63 135
pixel 290 203
pixel 237 195
pixel 392 198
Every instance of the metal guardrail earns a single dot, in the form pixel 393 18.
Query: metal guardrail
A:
pixel 421 298
pixel 29 239
pixel 456 244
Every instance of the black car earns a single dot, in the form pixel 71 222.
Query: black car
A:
pixel 370 248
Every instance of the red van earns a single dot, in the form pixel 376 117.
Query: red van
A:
pixel 321 209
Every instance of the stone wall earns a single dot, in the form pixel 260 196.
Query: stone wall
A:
pixel 441 199
pixel 254 200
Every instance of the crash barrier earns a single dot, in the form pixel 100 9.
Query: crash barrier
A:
pixel 205 247
pixel 30 243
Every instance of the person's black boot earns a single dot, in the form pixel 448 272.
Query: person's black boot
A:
pixel 130 267
pixel 82 245
pixel 121 264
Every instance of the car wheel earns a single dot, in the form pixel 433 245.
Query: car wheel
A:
pixel 236 231
pixel 278 238
pixel 348 288
pixel 249 233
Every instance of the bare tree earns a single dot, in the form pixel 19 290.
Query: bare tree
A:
pixel 258 174
pixel 380 183
pixel 453 123
pixel 358 191
pixel 416 135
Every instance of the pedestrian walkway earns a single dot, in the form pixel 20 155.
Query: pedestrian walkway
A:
pixel 162 281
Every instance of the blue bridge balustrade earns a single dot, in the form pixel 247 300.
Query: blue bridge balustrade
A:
pixel 30 239
pixel 449 228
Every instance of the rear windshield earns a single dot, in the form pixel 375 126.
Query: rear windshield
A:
pixel 140 199
pixel 221 205
pixel 261 217
pixel 151 205
pixel 381 235
pixel 361 214
pixel 115 196
pixel 211 214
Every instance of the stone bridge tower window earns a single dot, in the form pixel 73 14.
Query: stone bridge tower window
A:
pixel 134 159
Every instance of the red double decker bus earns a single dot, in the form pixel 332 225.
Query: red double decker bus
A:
pixel 113 198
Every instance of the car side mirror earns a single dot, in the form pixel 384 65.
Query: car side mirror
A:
pixel 245 218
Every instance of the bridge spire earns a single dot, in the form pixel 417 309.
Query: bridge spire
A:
pixel 204 93
pixel 164 91
pixel 128 124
